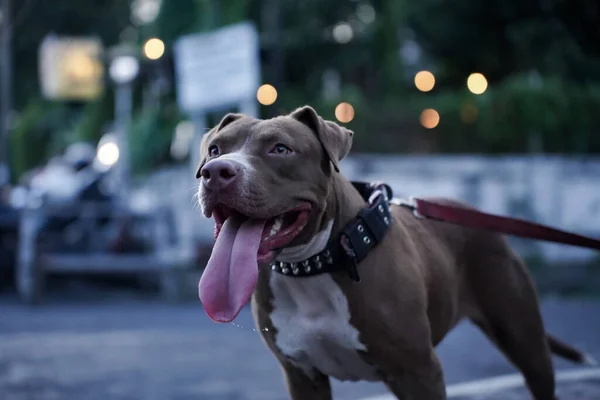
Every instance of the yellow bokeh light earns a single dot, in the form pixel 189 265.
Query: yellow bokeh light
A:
pixel 266 95
pixel 344 112
pixel 477 83
pixel 430 118
pixel 424 81
pixel 154 48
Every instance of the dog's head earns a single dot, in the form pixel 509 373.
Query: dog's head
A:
pixel 266 184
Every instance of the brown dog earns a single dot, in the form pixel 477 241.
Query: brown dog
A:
pixel 274 190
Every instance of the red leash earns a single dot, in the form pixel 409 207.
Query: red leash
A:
pixel 510 226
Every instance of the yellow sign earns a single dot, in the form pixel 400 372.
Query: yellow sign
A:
pixel 71 68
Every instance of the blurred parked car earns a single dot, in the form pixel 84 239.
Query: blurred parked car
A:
pixel 73 220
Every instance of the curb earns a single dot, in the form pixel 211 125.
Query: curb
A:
pixel 503 382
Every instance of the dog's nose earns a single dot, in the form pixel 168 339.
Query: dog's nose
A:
pixel 218 174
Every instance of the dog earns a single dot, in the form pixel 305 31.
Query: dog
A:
pixel 281 209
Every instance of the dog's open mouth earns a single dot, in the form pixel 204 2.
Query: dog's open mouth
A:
pixel 277 231
pixel 242 243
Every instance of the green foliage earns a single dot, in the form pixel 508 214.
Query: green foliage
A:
pixel 89 127
pixel 508 118
pixel 176 18
pixel 150 138
pixel 562 117
pixel 500 37
pixel 32 135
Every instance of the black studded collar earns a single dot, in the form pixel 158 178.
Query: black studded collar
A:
pixel 355 241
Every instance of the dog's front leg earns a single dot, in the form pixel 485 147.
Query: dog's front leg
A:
pixel 303 387
pixel 425 381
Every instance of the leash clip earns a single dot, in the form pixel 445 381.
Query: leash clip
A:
pixel 411 203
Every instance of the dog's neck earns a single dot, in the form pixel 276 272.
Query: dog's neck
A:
pixel 343 204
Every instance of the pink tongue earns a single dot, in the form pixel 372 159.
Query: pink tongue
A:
pixel 232 270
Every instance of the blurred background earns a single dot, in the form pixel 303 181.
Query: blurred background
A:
pixel 102 107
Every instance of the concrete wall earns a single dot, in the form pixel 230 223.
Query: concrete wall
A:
pixel 557 191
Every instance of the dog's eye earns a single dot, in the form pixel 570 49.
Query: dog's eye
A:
pixel 281 149
pixel 213 151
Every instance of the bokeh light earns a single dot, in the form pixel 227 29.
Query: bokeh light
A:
pixel 343 32
pixel 154 48
pixel 266 95
pixel 344 112
pixel 366 13
pixel 144 12
pixel 424 81
pixel 430 118
pixel 477 83
pixel 108 154
pixel 124 69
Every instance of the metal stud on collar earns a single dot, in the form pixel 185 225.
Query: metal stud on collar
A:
pixel 366 240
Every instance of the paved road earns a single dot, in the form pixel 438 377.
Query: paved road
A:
pixel 128 349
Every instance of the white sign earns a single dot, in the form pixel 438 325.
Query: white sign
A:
pixel 217 69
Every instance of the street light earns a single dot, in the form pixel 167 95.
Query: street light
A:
pixel 123 70
pixel 154 48
pixel 477 83
pixel 266 94
pixel 108 152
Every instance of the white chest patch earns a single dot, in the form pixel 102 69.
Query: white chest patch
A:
pixel 312 319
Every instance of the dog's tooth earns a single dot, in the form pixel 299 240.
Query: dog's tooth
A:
pixel 276 226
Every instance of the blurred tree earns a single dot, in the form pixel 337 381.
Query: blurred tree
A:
pixel 176 18
pixel 500 37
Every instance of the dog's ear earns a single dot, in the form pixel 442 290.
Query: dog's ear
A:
pixel 336 140
pixel 226 120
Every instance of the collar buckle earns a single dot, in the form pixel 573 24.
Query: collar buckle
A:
pixel 356 240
